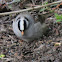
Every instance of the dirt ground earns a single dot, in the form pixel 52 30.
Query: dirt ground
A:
pixel 46 49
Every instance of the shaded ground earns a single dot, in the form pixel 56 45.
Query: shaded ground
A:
pixel 44 49
pixel 40 50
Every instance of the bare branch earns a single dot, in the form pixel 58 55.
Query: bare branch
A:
pixel 7 13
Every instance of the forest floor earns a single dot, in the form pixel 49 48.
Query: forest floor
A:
pixel 46 49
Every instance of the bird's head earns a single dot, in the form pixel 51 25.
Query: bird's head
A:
pixel 23 24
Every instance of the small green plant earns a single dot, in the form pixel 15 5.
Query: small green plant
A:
pixel 45 8
pixel 45 2
pixel 58 17
pixel 2 55
pixel 54 5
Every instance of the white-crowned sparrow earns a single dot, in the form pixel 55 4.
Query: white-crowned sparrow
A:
pixel 27 29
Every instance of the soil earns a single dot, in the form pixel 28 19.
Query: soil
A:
pixel 46 49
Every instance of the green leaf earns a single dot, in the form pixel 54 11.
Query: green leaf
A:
pixel 42 9
pixel 58 16
pixel 16 0
pixel 53 5
pixel 45 2
pixel 2 55
pixel 10 6
pixel 58 20
pixel 13 1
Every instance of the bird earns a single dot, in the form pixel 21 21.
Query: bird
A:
pixel 27 29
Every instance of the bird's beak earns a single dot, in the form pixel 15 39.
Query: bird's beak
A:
pixel 22 32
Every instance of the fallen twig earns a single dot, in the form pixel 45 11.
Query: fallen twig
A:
pixel 57 43
pixel 7 59
pixel 7 13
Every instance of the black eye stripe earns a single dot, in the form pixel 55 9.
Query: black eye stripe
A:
pixel 19 24
pixel 26 18
pixel 18 18
pixel 25 24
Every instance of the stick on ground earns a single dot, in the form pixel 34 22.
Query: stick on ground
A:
pixel 7 13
